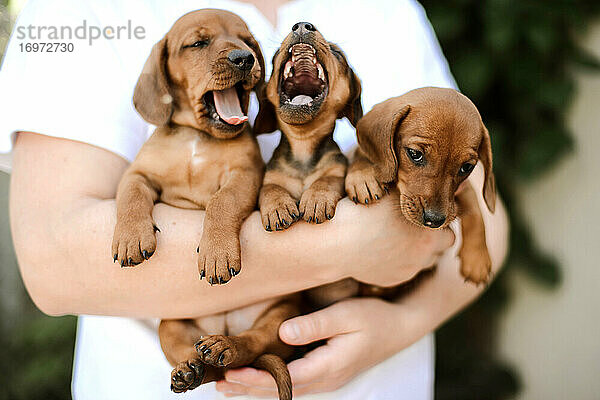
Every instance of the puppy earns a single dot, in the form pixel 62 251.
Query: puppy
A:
pixel 195 88
pixel 312 86
pixel 426 143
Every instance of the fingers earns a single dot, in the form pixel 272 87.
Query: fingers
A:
pixel 233 389
pixel 319 325
pixel 319 370
pixel 251 377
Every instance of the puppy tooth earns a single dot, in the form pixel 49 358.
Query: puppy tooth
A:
pixel 321 72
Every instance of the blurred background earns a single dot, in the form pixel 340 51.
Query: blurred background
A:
pixel 532 69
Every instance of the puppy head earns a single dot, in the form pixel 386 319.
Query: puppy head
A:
pixel 311 82
pixel 428 142
pixel 201 74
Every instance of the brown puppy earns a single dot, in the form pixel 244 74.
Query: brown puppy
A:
pixel 426 143
pixel 195 88
pixel 312 85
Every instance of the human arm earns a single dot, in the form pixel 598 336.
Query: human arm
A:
pixel 63 215
pixel 365 331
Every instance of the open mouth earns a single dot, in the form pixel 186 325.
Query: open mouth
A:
pixel 303 80
pixel 225 106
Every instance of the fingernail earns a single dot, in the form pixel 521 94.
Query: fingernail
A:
pixel 291 331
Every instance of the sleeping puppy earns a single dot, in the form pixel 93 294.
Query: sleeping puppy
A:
pixel 312 86
pixel 195 88
pixel 426 143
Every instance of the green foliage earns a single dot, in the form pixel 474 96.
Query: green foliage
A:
pixel 516 61
pixel 38 358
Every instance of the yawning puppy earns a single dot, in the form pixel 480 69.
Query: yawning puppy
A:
pixel 312 85
pixel 426 143
pixel 195 88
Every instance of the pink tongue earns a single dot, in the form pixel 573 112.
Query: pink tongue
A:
pixel 228 106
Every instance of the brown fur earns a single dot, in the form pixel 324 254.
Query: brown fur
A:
pixel 194 161
pixel 305 176
pixel 447 129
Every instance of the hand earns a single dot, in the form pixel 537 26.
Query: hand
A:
pixel 380 247
pixel 358 333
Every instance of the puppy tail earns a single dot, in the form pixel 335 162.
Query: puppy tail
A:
pixel 275 366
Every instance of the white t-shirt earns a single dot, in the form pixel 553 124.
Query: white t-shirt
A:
pixel 85 95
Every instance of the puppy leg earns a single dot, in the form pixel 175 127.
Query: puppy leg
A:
pixel 177 338
pixel 278 207
pixel 219 256
pixel 476 265
pixel 318 202
pixel 361 184
pixel 134 238
pixel 236 351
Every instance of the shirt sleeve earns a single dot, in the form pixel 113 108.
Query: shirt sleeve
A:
pixel 83 95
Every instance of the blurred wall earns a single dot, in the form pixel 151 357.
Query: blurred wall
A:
pixel 554 336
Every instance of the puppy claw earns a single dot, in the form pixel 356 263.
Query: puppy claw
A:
pixel 278 210
pixel 187 375
pixel 318 205
pixel 133 243
pixel 219 350
pixel 362 187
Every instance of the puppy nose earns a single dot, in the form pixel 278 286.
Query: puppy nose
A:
pixel 242 59
pixel 433 219
pixel 302 28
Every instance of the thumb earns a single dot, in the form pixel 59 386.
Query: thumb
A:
pixel 331 321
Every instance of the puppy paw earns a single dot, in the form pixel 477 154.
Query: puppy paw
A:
pixel 187 375
pixel 279 212
pixel 219 259
pixel 476 265
pixel 217 350
pixel 363 188
pixel 134 242
pixel 318 205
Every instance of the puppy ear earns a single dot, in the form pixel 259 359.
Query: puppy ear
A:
pixel 376 133
pixel 151 97
pixel 485 156
pixel 353 109
pixel 265 121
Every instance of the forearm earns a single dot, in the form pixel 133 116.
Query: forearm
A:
pixel 63 226
pixel 79 268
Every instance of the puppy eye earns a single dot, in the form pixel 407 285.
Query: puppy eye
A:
pixel 199 44
pixel 416 156
pixel 465 169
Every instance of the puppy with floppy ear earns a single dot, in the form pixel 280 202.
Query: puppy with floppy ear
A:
pixel 312 85
pixel 195 88
pixel 426 143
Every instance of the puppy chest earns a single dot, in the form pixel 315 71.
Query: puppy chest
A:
pixel 194 177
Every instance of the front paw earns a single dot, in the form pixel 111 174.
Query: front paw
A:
pixel 187 375
pixel 362 187
pixel 476 265
pixel 219 259
pixel 318 205
pixel 134 242
pixel 217 350
pixel 279 212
